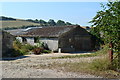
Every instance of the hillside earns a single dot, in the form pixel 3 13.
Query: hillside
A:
pixel 11 23
pixel 16 23
pixel 8 22
pixel 6 18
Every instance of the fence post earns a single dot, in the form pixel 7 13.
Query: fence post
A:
pixel 111 52
pixel 118 61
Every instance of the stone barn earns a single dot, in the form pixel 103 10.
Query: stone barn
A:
pixel 7 43
pixel 67 38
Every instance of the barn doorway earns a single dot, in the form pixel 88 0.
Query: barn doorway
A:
pixel 24 40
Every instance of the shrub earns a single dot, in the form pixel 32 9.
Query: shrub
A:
pixel 16 53
pixel 17 45
pixel 38 50
pixel 21 49
pixel 29 47
pixel 46 51
pixel 24 49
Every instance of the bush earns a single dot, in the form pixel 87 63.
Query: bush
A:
pixel 16 53
pixel 17 45
pixel 24 49
pixel 21 49
pixel 38 50
pixel 29 47
pixel 46 51
pixel 12 53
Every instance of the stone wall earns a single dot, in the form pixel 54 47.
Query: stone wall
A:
pixel 7 43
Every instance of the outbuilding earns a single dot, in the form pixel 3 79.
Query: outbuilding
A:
pixel 6 40
pixel 67 38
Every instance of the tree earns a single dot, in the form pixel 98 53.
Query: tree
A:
pixel 42 22
pixel 60 23
pixel 51 22
pixel 36 20
pixel 107 22
pixel 67 23
pixel 96 39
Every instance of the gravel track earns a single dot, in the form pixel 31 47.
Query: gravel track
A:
pixel 23 68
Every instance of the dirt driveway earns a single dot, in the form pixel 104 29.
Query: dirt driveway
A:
pixel 24 67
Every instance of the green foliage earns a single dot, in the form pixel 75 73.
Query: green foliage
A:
pixel 103 51
pixel 40 44
pixel 67 23
pixel 60 23
pixel 51 22
pixel 22 49
pixel 42 22
pixel 11 23
pixel 46 51
pixel 96 39
pixel 6 18
pixel 15 53
pixel 107 22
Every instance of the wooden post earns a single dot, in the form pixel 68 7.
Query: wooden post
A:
pixel 111 52
pixel 118 61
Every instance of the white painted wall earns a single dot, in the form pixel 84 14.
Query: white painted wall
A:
pixel 51 42
pixel 19 38
pixel 30 40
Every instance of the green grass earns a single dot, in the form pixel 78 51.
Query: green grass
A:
pixel 17 23
pixel 100 66
pixel 76 56
pixel 98 53
pixel 92 68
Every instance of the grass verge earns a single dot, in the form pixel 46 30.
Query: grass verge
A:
pixel 99 66
pixel 98 53
pixel 96 68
